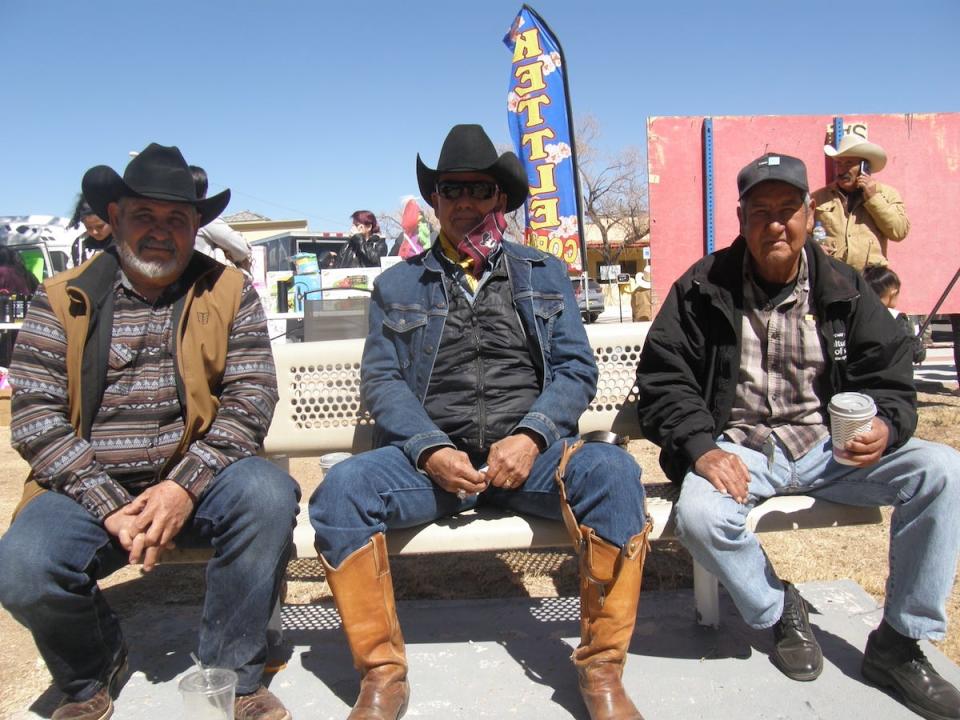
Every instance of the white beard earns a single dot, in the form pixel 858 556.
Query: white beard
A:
pixel 154 269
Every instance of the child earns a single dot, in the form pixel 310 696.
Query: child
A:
pixel 886 285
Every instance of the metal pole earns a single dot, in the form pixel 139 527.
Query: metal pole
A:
pixel 708 199
pixel 936 307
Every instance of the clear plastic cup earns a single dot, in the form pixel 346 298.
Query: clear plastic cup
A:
pixel 208 694
pixel 330 459
pixel 851 414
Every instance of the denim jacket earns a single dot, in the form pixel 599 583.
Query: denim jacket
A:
pixel 407 314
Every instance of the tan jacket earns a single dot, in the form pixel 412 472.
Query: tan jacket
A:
pixel 860 238
pixel 82 296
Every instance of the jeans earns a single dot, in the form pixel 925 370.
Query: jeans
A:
pixel 55 551
pixel 921 480
pixel 379 490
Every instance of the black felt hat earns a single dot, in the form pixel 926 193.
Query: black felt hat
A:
pixel 157 173
pixel 468 149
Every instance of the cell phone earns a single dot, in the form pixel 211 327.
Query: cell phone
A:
pixel 864 167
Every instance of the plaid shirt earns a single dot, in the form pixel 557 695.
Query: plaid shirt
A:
pixel 781 358
pixel 139 423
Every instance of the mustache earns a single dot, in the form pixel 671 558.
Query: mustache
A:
pixel 155 243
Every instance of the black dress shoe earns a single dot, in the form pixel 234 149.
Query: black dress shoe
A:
pixel 902 666
pixel 796 651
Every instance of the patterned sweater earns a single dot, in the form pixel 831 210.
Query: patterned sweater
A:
pixel 139 424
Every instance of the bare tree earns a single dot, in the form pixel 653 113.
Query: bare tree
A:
pixel 614 189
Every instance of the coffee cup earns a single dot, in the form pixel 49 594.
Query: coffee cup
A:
pixel 851 414
pixel 209 694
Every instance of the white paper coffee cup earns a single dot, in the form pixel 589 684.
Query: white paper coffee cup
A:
pixel 851 414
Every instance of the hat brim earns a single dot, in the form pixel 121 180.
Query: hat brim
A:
pixel 508 172
pixel 869 151
pixel 102 185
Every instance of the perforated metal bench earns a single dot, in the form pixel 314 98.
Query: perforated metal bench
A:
pixel 319 412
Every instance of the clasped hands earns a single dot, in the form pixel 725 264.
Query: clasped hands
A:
pixel 508 466
pixel 146 527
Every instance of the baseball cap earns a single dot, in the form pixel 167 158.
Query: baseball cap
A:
pixel 772 166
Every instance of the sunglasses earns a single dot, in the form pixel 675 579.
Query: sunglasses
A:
pixel 475 189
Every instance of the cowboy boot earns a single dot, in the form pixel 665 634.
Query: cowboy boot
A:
pixel 363 591
pixel 609 594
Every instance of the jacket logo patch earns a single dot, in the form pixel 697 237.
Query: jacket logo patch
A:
pixel 840 346
pixel 203 318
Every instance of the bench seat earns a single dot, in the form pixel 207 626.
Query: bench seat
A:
pixel 319 412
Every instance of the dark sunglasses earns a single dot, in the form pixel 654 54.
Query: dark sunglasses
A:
pixel 475 189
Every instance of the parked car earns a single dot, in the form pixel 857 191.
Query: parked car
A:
pixel 594 294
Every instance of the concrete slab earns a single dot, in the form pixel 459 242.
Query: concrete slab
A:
pixel 510 658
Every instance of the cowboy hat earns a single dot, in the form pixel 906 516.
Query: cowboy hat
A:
pixel 856 146
pixel 468 149
pixel 157 173
pixel 643 279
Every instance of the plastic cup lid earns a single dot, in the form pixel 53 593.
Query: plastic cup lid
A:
pixel 852 405
pixel 209 681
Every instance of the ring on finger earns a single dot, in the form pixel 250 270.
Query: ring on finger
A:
pixel 461 494
pixel 508 484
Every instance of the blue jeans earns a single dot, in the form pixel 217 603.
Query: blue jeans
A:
pixel 378 490
pixel 54 552
pixel 921 481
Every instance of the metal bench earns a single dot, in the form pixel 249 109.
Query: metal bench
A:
pixel 319 412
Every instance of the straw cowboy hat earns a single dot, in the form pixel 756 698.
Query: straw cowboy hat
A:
pixel 468 149
pixel 643 279
pixel 157 173
pixel 856 146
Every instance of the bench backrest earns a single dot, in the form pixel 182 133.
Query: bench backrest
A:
pixel 319 410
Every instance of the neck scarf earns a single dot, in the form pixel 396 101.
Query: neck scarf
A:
pixel 474 249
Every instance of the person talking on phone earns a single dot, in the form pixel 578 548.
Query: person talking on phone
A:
pixel 476 370
pixel 859 214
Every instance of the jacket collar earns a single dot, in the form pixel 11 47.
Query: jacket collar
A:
pixel 512 250
pixel 97 281
pixel 721 279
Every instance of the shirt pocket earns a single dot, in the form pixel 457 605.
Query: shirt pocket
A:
pixel 405 326
pixel 547 309
pixel 121 361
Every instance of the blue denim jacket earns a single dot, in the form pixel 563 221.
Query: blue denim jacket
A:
pixel 407 313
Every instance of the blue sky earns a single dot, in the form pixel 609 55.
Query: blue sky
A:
pixel 315 109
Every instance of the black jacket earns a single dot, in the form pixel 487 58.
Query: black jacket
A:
pixel 690 362
pixel 360 252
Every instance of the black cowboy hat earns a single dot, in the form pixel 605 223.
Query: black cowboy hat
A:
pixel 157 173
pixel 468 149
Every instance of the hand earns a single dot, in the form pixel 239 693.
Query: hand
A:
pixel 451 470
pixel 166 507
pixel 725 471
pixel 828 248
pixel 121 523
pixel 510 460
pixel 867 448
pixel 867 184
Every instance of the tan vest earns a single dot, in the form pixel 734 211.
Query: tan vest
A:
pixel 208 310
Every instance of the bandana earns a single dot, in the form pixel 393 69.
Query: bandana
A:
pixel 473 251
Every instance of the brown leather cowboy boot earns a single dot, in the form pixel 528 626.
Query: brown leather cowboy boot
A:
pixel 609 593
pixel 363 590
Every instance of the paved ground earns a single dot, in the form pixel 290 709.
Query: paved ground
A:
pixel 509 658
